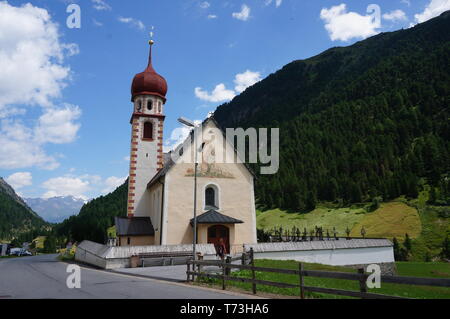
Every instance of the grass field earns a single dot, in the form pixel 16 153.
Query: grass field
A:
pixel 341 218
pixel 417 269
pixel 393 219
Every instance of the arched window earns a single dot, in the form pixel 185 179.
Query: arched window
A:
pixel 149 105
pixel 148 131
pixel 211 197
pixel 159 107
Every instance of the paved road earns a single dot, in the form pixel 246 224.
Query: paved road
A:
pixel 45 277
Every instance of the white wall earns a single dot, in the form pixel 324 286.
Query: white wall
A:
pixel 334 257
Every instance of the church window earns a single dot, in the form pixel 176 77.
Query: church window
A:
pixel 149 105
pixel 148 131
pixel 159 107
pixel 139 106
pixel 128 240
pixel 211 196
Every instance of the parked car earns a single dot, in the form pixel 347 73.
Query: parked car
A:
pixel 19 252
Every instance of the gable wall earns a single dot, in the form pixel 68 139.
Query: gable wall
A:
pixel 236 199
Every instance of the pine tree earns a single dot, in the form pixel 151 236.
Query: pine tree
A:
pixel 407 243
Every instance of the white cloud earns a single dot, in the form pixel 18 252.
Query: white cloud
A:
pixel 395 15
pixel 111 183
pixel 178 136
pixel 222 94
pixel 246 79
pixel 219 94
pixel 33 73
pixel 204 5
pixel 244 14
pixel 24 147
pixel 31 56
pixel 65 186
pixel 407 2
pixel 101 5
pixel 20 149
pixel 81 186
pixel 344 26
pixel 433 9
pixel 19 180
pixel 57 125
pixel 134 22
pixel 71 49
pixel 97 23
pixel 212 16
pixel 277 2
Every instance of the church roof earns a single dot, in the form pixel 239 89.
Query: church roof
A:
pixel 214 217
pixel 134 226
pixel 168 162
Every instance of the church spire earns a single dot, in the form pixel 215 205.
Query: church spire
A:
pixel 151 42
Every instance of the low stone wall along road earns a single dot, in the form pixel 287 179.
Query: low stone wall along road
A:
pixel 45 277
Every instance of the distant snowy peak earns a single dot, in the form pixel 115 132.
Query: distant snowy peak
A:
pixel 56 209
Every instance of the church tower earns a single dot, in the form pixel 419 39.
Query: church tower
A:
pixel 148 94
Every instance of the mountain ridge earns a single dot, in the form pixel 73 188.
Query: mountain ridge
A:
pixel 56 209
pixel 16 217
pixel 356 122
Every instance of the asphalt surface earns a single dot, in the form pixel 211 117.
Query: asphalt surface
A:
pixel 44 277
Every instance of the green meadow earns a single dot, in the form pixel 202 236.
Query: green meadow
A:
pixel 415 269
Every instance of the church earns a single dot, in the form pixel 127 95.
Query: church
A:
pixel 160 202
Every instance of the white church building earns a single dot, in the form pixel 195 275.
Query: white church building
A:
pixel 161 190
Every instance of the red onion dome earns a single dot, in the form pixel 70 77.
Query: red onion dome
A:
pixel 149 82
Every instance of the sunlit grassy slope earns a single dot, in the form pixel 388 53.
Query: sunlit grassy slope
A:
pixel 393 219
pixel 325 217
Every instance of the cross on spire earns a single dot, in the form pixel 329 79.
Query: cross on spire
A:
pixel 151 42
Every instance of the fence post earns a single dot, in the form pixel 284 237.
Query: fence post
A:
pixel 188 270
pixel 362 281
pixel 252 260
pixel 223 275
pixel 228 262
pixel 302 285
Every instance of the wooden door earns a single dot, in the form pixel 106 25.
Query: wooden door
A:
pixel 219 231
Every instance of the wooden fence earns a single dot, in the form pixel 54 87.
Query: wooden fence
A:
pixel 360 276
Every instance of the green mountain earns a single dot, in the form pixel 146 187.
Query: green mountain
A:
pixel 16 218
pixel 95 217
pixel 356 122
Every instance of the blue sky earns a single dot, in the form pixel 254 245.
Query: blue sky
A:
pixel 65 93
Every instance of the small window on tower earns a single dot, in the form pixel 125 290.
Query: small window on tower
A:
pixel 148 131
pixel 159 107
pixel 149 105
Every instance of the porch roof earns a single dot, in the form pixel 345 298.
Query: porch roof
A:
pixel 214 217
pixel 134 226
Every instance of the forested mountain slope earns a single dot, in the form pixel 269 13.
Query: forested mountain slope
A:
pixel 16 217
pixel 356 122
pixel 95 217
